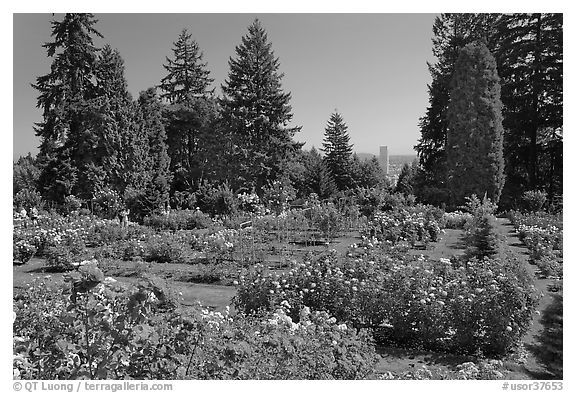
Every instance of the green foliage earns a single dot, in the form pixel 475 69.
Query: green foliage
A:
pixel 338 152
pixel 22 250
pixel 255 112
pixel 327 219
pixel 475 134
pixel 107 203
pixel 277 196
pixel 25 175
pixel 406 179
pixel 368 173
pixel 216 200
pixel 110 330
pixel 186 74
pixel 158 162
pixel 543 235
pixel 481 236
pixel 193 142
pixel 179 219
pixel 481 306
pixel 529 51
pixel 451 33
pixel 27 199
pixel 165 249
pixel 533 201
pixel 65 90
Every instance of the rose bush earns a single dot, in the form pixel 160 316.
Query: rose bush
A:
pixel 104 329
pixel 459 305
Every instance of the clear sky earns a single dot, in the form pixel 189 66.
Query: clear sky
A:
pixel 370 67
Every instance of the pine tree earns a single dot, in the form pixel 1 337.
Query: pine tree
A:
pixel 475 134
pixel 255 114
pixel 530 62
pixel 63 98
pixel 338 151
pixel 187 74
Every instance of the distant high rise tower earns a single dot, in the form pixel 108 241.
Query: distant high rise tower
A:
pixel 383 159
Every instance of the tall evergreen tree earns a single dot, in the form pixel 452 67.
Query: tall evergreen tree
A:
pixel 475 134
pixel 529 51
pixel 112 127
pixel 189 119
pixel 255 114
pixel 152 129
pixel 187 75
pixel 65 90
pixel 338 151
pixel 451 33
pixel 64 96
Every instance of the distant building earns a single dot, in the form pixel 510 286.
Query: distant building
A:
pixel 383 159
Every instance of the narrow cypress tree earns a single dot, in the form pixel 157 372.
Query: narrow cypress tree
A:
pixel 157 187
pixel 255 114
pixel 451 33
pixel 338 151
pixel 475 133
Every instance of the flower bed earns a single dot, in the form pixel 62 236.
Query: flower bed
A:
pixel 543 235
pixel 411 225
pixel 105 330
pixel 453 305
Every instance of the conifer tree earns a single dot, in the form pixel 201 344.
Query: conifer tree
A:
pixel 112 126
pixel 529 52
pixel 158 168
pixel 189 119
pixel 451 33
pixel 187 75
pixel 475 134
pixel 255 114
pixel 64 96
pixel 338 152
pixel 65 90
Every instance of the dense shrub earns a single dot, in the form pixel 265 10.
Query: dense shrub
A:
pixel 216 200
pixel 107 204
pixel 533 201
pixel 278 195
pixel 72 204
pixel 22 250
pixel 543 235
pixel 482 237
pixel 179 219
pixel 463 306
pixel 183 200
pixel 456 220
pixel 27 199
pixel 415 224
pixel 165 249
pixel 65 256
